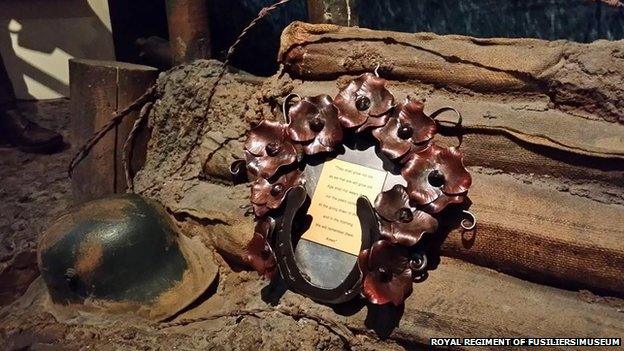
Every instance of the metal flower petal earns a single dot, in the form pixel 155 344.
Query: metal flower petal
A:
pixel 434 172
pixel 410 233
pixel 401 224
pixel 259 253
pixel 386 272
pixel 408 130
pixel 441 202
pixel 314 122
pixel 390 144
pixel 266 196
pixel 264 133
pixel 390 204
pixel 365 102
pixel 267 166
pixel 452 165
pixel 415 123
pixel 267 149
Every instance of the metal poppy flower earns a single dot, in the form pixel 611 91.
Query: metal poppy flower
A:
pixel 364 103
pixel 314 123
pixel 267 149
pixel 259 253
pixel 436 177
pixel 386 272
pixel 266 196
pixel 409 129
pixel 400 224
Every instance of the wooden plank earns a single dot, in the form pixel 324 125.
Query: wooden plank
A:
pixel 98 90
pixel 93 93
pixel 188 30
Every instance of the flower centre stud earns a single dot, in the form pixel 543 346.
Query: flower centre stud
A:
pixel 405 131
pixel 266 253
pixel 405 215
pixel 317 124
pixel 384 274
pixel 436 178
pixel 277 190
pixel 362 103
pixel 273 149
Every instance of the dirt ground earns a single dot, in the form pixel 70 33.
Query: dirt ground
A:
pixel 34 189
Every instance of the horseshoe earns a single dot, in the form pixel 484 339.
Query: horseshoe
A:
pixel 285 252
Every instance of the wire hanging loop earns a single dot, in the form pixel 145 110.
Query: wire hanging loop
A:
pixel 419 262
pixel 376 70
pixel 286 105
pixel 450 124
pixel 468 223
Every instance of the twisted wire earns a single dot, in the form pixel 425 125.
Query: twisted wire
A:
pixel 117 118
pixel 263 13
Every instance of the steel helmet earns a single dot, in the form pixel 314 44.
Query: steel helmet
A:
pixel 120 254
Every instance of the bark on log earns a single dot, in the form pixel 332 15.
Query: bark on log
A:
pixel 582 78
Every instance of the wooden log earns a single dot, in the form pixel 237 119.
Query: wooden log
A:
pixel 189 32
pixel 340 12
pixel 98 90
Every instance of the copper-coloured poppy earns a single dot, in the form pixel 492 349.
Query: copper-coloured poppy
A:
pixel 259 253
pixel 409 129
pixel 267 149
pixel 386 272
pixel 266 196
pixel 436 177
pixel 314 122
pixel 364 103
pixel 400 224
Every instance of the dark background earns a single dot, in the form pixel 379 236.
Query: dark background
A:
pixel 577 20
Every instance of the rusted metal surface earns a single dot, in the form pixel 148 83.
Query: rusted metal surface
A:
pixel 340 12
pixel 98 90
pixel 189 33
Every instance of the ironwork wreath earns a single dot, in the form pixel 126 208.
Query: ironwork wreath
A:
pixel 277 153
